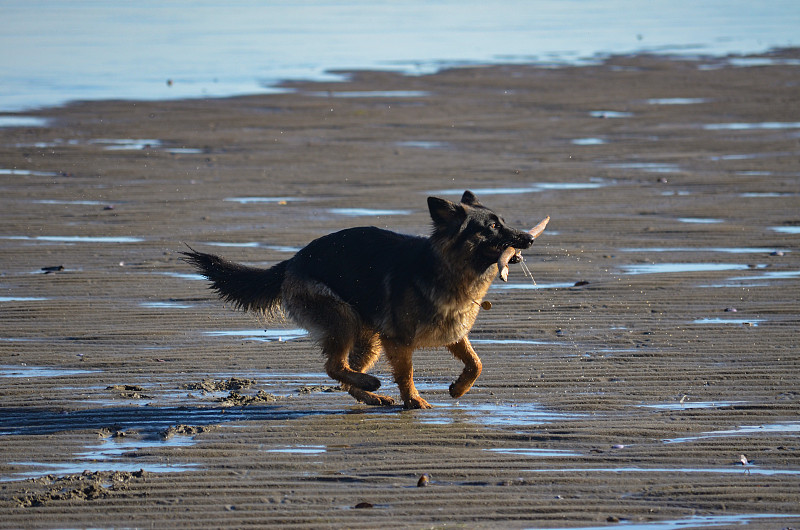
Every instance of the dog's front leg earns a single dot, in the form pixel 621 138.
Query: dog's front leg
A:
pixel 462 350
pixel 399 356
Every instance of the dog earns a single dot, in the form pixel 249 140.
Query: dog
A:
pixel 361 291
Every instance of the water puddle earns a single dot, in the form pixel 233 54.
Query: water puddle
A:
pixel 762 194
pixel 165 305
pixel 23 121
pixel 789 429
pixel 677 101
pixel 794 230
pixel 769 275
pixel 183 275
pixel 21 299
pixel 660 268
pixel 370 94
pixel 693 405
pixel 740 321
pixel 77 239
pixel 27 173
pixel 126 144
pixel 511 341
pixel 300 449
pixel 365 212
pixel 724 250
pixel 588 141
pixel 529 286
pixel 738 469
pixel 265 200
pixel 254 244
pixel 186 151
pixel 81 203
pixel 41 371
pixel 527 451
pixel 649 167
pixel 699 220
pixel 421 144
pixel 767 125
pixel 494 415
pixel 695 521
pixel 262 335
pixel 533 188
pixel 610 114
pixel 113 454
pixel 68 468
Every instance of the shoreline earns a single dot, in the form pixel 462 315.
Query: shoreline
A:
pixel 658 346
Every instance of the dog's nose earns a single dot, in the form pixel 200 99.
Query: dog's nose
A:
pixel 527 239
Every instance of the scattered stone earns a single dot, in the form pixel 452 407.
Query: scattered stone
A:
pixel 424 480
pixel 362 505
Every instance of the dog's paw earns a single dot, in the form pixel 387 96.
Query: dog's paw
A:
pixel 367 382
pixel 417 403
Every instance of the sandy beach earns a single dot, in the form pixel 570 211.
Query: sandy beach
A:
pixel 651 375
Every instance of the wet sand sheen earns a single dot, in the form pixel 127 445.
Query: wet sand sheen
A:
pixel 657 347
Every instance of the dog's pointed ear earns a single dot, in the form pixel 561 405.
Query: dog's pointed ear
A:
pixel 470 199
pixel 444 211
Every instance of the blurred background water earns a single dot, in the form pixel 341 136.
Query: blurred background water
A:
pixel 55 51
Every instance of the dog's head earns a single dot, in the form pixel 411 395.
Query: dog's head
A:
pixel 468 230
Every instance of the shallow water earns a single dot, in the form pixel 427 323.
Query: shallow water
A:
pixel 769 125
pixel 371 94
pixel 677 101
pixel 41 371
pixel 263 335
pixel 695 521
pixel 660 268
pixel 77 239
pixel 216 50
pixel 741 321
pixel 367 212
pixel 21 299
pixel 794 230
pixel 699 220
pixel 649 167
pixel 588 141
pixel 494 414
pixel 791 429
pixel 725 250
pixel 527 451
pixel 734 469
pixel 533 188
pixel 691 405
pixel 265 200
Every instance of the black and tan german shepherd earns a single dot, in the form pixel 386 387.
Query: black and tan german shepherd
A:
pixel 363 290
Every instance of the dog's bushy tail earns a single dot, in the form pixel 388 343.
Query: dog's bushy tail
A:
pixel 246 288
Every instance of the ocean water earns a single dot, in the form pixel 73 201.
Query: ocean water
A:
pixel 52 51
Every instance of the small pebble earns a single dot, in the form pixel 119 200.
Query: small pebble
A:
pixel 361 505
pixel 424 480
pixel 730 309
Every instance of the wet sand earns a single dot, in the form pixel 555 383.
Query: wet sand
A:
pixel 658 346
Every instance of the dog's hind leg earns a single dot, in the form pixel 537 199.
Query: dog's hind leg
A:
pixel 333 322
pixel 462 350
pixel 365 352
pixel 399 356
